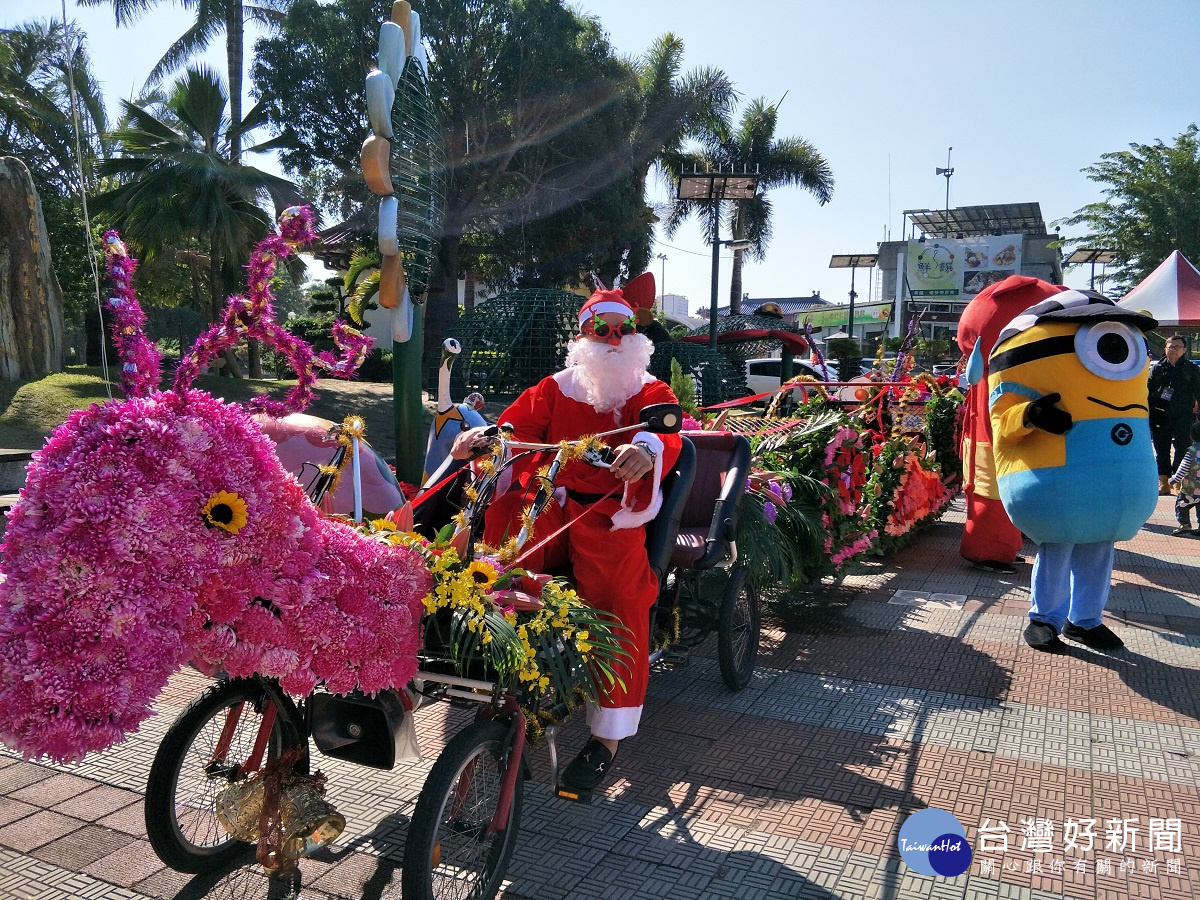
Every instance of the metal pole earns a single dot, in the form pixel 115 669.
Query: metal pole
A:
pixel 1092 280
pixel 406 399
pixel 850 318
pixel 716 247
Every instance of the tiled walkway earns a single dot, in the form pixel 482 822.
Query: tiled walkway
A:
pixel 794 788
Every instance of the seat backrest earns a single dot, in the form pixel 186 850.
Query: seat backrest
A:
pixel 434 512
pixel 661 531
pixel 722 464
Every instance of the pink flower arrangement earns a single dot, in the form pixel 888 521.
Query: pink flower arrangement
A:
pixel 116 578
pixel 162 530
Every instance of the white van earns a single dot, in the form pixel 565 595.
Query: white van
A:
pixel 763 374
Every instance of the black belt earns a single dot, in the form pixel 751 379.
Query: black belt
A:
pixel 585 499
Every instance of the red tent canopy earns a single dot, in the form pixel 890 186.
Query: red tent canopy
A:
pixel 793 342
pixel 1171 293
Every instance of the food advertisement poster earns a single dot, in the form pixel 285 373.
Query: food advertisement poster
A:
pixel 960 269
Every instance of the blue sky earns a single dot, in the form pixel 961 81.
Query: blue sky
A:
pixel 1027 93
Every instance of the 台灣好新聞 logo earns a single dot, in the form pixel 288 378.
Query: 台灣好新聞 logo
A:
pixel 933 842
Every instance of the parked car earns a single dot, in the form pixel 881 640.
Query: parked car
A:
pixel 764 374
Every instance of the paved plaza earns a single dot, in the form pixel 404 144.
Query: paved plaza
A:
pixel 796 787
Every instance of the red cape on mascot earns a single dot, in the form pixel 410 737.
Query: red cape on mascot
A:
pixel 990 540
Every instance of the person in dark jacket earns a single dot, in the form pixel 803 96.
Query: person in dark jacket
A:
pixel 1174 395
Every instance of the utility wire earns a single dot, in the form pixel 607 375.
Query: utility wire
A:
pixel 87 220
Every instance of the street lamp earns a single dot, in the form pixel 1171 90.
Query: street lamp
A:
pixel 1091 255
pixel 715 187
pixel 853 261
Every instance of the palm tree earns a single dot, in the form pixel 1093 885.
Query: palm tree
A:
pixel 212 17
pixel 176 182
pixel 674 108
pixel 778 161
pixel 38 61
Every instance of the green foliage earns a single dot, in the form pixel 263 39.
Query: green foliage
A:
pixel 174 185
pixel 814 513
pixel 683 386
pixel 377 366
pixel 1151 206
pixel 847 352
pixel 35 119
pixel 942 413
pixel 932 349
pixel 893 344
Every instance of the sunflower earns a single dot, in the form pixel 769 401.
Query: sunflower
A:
pixel 483 575
pixel 225 510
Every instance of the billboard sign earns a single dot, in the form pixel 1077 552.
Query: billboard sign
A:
pixel 959 269
pixel 863 315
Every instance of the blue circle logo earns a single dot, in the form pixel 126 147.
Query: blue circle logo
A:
pixel 933 842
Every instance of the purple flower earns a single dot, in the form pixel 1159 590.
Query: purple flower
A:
pixel 770 511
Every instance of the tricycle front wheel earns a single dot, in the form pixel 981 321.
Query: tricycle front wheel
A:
pixel 449 852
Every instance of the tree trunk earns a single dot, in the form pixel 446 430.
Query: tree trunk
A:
pixel 254 358
pixel 735 285
pixel 31 301
pixel 216 299
pixel 443 307
pixel 233 57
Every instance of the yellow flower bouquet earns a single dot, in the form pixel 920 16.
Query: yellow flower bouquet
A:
pixel 531 633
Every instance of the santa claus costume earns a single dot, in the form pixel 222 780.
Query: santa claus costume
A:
pixel 604 387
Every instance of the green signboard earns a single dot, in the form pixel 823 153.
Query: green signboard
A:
pixel 863 315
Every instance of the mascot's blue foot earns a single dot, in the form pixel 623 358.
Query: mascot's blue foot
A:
pixel 1099 638
pixel 1044 637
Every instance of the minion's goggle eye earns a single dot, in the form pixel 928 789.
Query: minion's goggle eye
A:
pixel 1111 350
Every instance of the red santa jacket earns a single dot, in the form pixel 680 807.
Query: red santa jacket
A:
pixel 556 409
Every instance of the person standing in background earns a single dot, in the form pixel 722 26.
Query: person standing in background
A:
pixel 1174 395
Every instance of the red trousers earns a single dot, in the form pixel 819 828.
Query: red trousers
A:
pixel 611 572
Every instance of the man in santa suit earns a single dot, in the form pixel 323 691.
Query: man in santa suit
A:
pixel 604 386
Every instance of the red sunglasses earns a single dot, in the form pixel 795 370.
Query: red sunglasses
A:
pixel 601 329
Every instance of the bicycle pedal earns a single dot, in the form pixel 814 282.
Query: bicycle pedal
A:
pixel 573 795
pixel 675 659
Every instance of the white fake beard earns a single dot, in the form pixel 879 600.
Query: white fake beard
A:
pixel 610 375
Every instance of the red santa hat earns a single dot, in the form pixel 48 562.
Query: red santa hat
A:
pixel 629 301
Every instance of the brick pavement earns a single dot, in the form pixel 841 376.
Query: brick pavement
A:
pixel 794 788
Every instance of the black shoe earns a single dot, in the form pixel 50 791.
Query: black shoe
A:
pixel 994 566
pixel 1044 637
pixel 1099 638
pixel 588 769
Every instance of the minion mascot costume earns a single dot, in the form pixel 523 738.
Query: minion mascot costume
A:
pixel 990 541
pixel 1075 465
